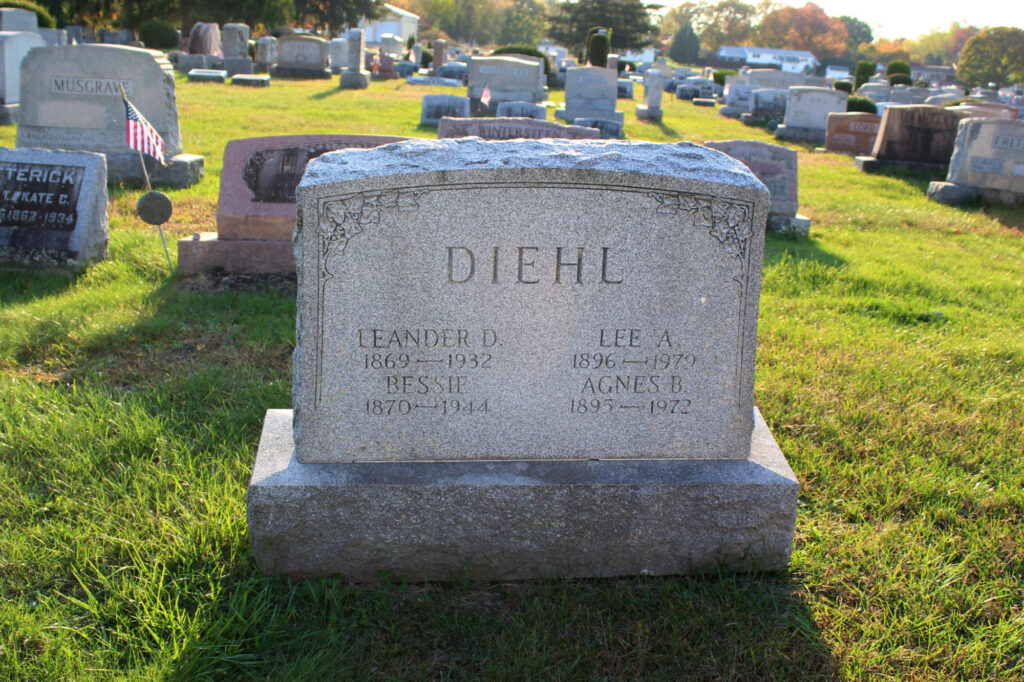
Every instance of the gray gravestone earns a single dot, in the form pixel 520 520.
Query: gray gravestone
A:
pixel 768 104
pixel 13 48
pixel 807 110
pixel 988 161
pixel 509 78
pixel 435 107
pixel 14 19
pixel 547 390
pixel 339 54
pixel 501 128
pixel 302 56
pixel 590 92
pixel 54 208
pixel 204 39
pixel 235 40
pixel 207 76
pixel 355 76
pixel 71 99
pixel 654 83
pixel 522 110
pixel 266 53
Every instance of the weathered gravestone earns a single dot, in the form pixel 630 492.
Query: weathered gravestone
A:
pixel 522 110
pixel 251 80
pixel 807 110
pixel 852 132
pixel 455 70
pixel 564 388
pixel 355 77
pixel 435 107
pixel 501 128
pixel 266 54
pixel 913 135
pixel 987 161
pixel 54 37
pixel 610 130
pixel 256 206
pixel 590 92
pixel 624 88
pixel 13 48
pixel 339 54
pixel 650 110
pixel 15 19
pixel 508 78
pixel 71 99
pixel 776 167
pixel 768 104
pixel 737 96
pixel 301 56
pixel 235 40
pixel 207 76
pixel 54 208
pixel 440 56
pixel 204 39
pixel 987 110
pixel 781 80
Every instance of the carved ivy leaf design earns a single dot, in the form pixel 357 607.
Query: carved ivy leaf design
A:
pixel 346 217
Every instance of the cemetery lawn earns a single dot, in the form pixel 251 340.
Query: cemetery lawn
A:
pixel 890 368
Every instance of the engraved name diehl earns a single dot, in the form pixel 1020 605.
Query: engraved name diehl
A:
pixel 533 265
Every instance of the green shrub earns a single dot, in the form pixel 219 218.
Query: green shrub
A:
pixel 598 46
pixel 720 75
pixel 528 51
pixel 897 66
pixel 857 103
pixel 427 58
pixel 157 34
pixel 43 16
pixel 845 86
pixel 623 64
pixel 900 79
pixel 863 72
pixel 409 42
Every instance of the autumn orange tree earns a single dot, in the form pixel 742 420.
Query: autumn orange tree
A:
pixel 805 28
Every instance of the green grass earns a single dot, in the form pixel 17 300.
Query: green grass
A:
pixel 890 368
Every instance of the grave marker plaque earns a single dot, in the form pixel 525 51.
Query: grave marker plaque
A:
pixel 54 206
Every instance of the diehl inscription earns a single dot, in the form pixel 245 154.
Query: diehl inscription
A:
pixel 462 265
pixel 79 85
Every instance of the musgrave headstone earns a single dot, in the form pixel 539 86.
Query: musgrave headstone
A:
pixel 544 391
pixel 54 208
pixel 776 167
pixel 256 205
pixel 987 161
pixel 71 99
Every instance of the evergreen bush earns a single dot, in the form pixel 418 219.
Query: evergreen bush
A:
pixel 157 34
pixel 857 103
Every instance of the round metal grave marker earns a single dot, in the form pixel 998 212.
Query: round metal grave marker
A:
pixel 154 207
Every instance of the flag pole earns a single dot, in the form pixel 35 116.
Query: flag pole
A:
pixel 149 188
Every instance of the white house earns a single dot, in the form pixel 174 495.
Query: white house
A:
pixel 793 61
pixel 395 21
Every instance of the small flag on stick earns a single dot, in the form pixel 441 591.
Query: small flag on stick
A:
pixel 140 134
pixel 485 97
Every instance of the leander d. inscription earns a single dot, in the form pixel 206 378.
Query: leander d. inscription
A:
pixel 541 337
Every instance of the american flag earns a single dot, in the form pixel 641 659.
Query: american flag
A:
pixel 485 97
pixel 140 134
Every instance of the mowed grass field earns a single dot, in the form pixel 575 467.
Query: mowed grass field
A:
pixel 890 368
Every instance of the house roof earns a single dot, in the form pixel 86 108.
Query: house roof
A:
pixel 400 12
pixel 744 51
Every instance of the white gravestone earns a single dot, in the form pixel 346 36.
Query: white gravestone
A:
pixel 548 390
pixel 987 161
pixel 654 85
pixel 509 78
pixel 339 54
pixel 266 53
pixel 807 110
pixel 590 92
pixel 301 56
pixel 355 76
pixel 14 45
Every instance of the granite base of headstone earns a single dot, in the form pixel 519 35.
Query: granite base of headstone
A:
pixel 610 130
pixel 355 80
pixel 646 113
pixel 732 111
pixel 987 163
pixel 54 209
pixel 207 76
pixel 433 80
pixel 237 65
pixel 522 110
pixel 251 80
pixel 503 445
pixel 256 206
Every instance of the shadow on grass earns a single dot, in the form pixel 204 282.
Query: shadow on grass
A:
pixel 1007 216
pixel 918 178
pixel 325 94
pixel 26 284
pixel 778 248
pixel 688 627
pixel 427 128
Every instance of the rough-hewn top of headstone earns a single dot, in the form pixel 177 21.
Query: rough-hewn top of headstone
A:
pixel 683 159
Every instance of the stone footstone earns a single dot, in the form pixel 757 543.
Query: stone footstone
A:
pixel 205 252
pixel 952 194
pixel 207 76
pixel 252 81
pixel 354 80
pixel 731 111
pixel 517 520
pixel 182 170
pixel 278 71
pixel 704 102
pixel 871 164
pixel 646 113
pixel 789 133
